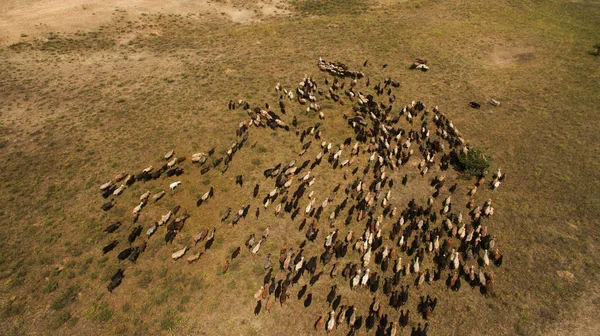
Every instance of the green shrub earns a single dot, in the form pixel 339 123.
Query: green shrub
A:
pixel 475 162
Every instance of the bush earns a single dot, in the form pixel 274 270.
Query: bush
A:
pixel 475 162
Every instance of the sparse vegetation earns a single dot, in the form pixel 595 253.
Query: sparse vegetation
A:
pixel 66 297
pixel 99 312
pixel 50 286
pixel 79 107
pixel 331 7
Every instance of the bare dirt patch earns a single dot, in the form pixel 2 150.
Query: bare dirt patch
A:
pixel 24 18
pixel 507 56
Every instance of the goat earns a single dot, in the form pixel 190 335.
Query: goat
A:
pixel 113 227
pixel 134 234
pixel 174 185
pixel 225 267
pixel 125 253
pixel 108 205
pixel 320 323
pixel 109 247
pixel 115 280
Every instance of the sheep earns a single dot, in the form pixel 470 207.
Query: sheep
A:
pixel 158 196
pixel 267 264
pixel 365 277
pixel 226 214
pixel 486 259
pixel 205 196
pixel 250 241
pixel 225 267
pixel 138 208
pixel 211 235
pixel 355 279
pixel 179 253
pixel 366 258
pixel 258 294
pixel 352 319
pixel 331 322
pixel 299 265
pixel 165 218
pixel 119 190
pixel 256 248
pixel 106 185
pixel 174 185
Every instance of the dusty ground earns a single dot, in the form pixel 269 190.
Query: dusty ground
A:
pixel 38 17
pixel 119 83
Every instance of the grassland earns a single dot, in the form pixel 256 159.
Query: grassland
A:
pixel 77 108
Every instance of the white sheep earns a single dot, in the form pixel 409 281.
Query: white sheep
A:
pixel 174 185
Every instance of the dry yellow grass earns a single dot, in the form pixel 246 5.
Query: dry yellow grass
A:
pixel 78 108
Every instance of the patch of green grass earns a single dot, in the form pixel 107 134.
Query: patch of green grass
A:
pixel 167 322
pixel 331 7
pixel 50 286
pixel 145 280
pixel 12 308
pixel 68 296
pixel 99 312
pixel 60 319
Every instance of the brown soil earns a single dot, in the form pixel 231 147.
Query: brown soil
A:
pixel 31 18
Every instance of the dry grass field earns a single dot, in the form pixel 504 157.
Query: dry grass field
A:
pixel 94 88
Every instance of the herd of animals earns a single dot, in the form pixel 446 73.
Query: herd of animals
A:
pixel 399 248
